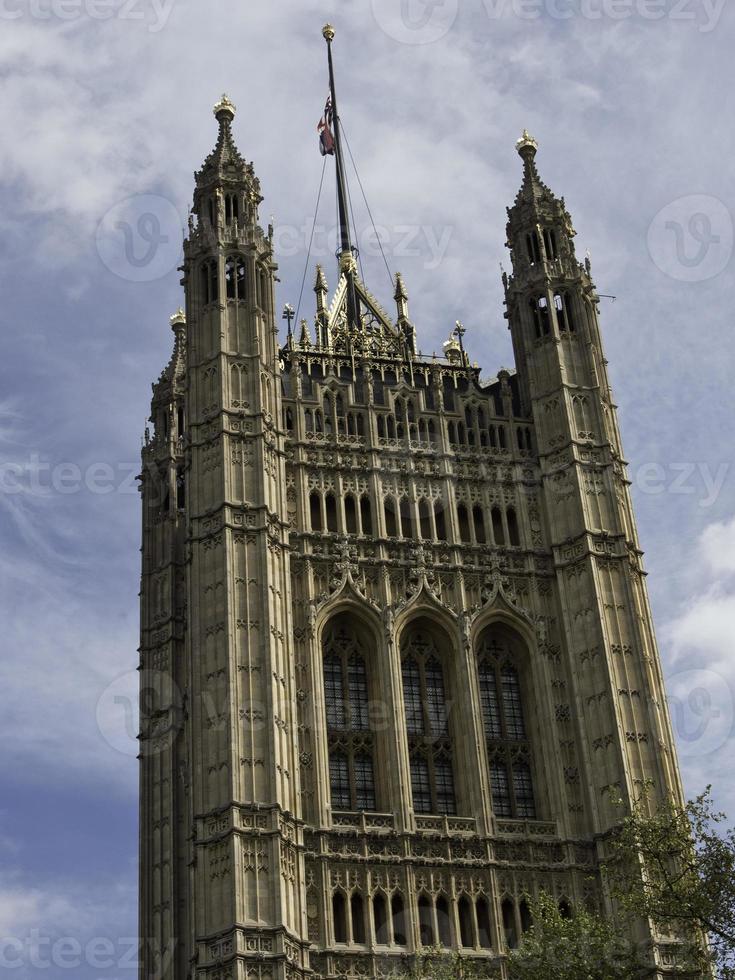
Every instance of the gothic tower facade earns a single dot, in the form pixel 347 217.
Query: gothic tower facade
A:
pixel 397 658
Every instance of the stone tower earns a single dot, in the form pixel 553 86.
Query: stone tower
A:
pixel 397 655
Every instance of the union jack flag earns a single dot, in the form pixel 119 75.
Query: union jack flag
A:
pixel 326 136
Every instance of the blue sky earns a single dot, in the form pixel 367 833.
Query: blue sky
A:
pixel 105 109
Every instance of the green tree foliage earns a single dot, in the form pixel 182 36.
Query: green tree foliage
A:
pixel 677 868
pixel 438 964
pixel 582 947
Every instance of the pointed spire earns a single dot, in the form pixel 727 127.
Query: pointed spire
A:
pixel 178 360
pixel 225 160
pixel 537 212
pixel 305 337
pixel 401 297
pixel 175 370
pixel 320 287
pixel 533 187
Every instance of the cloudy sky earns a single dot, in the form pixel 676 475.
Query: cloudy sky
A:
pixel 105 110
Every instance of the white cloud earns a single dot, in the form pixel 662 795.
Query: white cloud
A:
pixel 59 922
pixel 718 547
pixel 701 667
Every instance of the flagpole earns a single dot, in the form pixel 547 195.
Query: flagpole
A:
pixel 346 255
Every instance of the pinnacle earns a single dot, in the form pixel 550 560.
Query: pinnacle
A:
pixel 225 159
pixel 321 281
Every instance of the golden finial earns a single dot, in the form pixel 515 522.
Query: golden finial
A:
pixel 178 319
pixel 224 107
pixel 328 33
pixel 527 144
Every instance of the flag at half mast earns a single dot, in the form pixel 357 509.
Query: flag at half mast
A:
pixel 326 135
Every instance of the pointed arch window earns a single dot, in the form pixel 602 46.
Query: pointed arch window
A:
pixel 464 914
pixel 235 277
pixel 533 247
pixel 440 520
pixel 347 705
pixel 350 514
pixel 427 725
pixel 540 314
pixel 366 515
pixel 479 521
pixel 232 209
pixel 506 737
pixel 498 531
pixel 398 919
pixel 209 283
pixel 425 520
pixel 315 510
pixel 463 521
pixel 513 530
pixel 339 917
pixel 408 529
pixel 391 523
pixel 564 315
pixel 331 507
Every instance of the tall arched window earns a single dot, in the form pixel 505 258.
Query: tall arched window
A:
pixel 408 529
pixel 350 514
pixel 391 524
pixel 540 313
pixel 427 724
pixel 351 741
pixel 210 291
pixel 315 510
pixel 331 507
pixel 564 312
pixel 464 524
pixel 533 247
pixel 366 515
pixel 508 747
pixel 235 277
pixel 425 520
pixel 513 531
pixel 440 520
pixel 479 521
